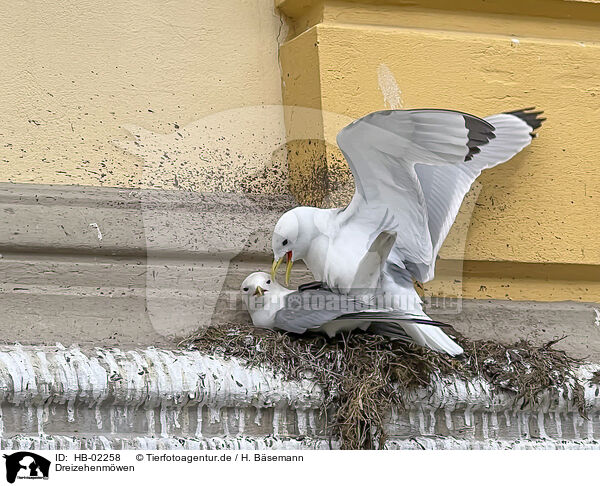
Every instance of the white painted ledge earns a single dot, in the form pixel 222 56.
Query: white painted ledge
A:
pixel 56 398
pixel 58 442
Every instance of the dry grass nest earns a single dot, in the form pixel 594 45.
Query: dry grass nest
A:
pixel 362 375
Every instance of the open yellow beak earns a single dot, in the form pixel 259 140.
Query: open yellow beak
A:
pixel 288 268
pixel 259 291
pixel 274 267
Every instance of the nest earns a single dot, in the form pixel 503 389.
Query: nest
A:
pixel 363 375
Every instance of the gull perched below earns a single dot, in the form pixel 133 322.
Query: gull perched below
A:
pixel 316 308
pixel 412 170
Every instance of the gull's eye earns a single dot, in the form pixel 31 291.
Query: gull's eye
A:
pixel 268 282
pixel 284 242
pixel 246 289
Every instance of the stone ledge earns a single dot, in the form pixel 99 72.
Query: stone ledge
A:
pixel 56 442
pixel 100 442
pixel 444 443
pixel 133 267
pixel 111 221
pixel 170 262
pixel 148 397
pixel 507 321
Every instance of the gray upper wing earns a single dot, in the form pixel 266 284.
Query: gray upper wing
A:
pixel 382 149
pixel 310 309
pixel 445 187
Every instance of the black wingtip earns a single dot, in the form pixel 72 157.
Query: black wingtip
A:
pixel 432 323
pixel 480 132
pixel 529 116
pixel 311 286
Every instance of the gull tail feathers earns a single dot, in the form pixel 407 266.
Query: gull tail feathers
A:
pixel 434 338
pixel 429 336
pixel 391 330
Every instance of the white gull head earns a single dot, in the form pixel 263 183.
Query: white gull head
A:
pixel 293 236
pixel 262 296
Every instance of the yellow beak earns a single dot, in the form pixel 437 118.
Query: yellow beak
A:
pixel 274 267
pixel 259 291
pixel 288 269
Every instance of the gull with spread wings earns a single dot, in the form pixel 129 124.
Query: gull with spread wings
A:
pixel 412 170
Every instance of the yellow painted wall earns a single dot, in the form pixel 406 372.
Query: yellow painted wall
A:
pixel 74 74
pixel 188 95
pixel 534 232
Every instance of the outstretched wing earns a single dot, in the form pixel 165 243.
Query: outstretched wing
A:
pixel 382 149
pixel 412 169
pixel 445 187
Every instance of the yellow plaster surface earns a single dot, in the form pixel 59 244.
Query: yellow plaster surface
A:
pixel 75 74
pixel 538 213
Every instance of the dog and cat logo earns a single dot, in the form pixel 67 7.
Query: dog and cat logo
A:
pixel 26 465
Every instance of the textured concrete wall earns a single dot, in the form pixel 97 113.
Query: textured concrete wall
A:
pixel 74 74
pixel 531 228
pixel 134 267
pixel 109 266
